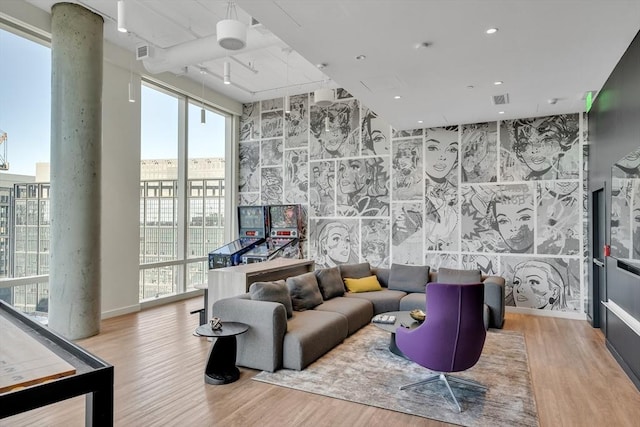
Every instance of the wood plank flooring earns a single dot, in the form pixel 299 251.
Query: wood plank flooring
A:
pixel 159 368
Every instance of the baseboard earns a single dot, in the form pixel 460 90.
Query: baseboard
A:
pixel 121 311
pixel 547 313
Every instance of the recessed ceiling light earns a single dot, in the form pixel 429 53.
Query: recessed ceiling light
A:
pixel 470 87
pixel 321 65
pixel 492 31
pixel 422 45
pixel 361 57
pixel 397 97
pixel 500 112
pixel 420 121
pixel 498 83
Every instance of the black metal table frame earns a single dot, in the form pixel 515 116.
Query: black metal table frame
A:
pixel 97 383
pixel 221 362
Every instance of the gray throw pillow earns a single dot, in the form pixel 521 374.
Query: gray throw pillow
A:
pixel 330 282
pixel 274 292
pixel 304 291
pixel 355 271
pixel 458 277
pixel 408 278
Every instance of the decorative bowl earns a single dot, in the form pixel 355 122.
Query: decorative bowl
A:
pixel 418 315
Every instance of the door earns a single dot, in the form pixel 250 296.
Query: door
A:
pixel 595 310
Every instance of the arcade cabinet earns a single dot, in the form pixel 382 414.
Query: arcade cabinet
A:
pixel 252 222
pixel 284 233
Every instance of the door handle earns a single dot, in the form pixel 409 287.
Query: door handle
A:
pixel 597 262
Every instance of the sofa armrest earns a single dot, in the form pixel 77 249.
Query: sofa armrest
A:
pixel 261 346
pixel 494 298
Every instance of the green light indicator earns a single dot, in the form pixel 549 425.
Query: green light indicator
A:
pixel 589 101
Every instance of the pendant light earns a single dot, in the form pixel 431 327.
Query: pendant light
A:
pixel 122 17
pixel 227 73
pixel 203 113
pixel 287 100
pixel 231 33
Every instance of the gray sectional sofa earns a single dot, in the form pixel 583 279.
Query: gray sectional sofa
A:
pixel 293 323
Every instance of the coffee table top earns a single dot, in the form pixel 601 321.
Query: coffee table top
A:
pixel 228 329
pixel 402 319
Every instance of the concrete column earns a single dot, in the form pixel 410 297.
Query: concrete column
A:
pixel 76 129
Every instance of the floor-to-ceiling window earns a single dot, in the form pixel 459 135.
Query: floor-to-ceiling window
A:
pixel 181 191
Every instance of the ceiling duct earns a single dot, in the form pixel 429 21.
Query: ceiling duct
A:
pixel 177 57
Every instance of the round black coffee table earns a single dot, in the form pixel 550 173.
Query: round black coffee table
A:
pixel 403 319
pixel 221 364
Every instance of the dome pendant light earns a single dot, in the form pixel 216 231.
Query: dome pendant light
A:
pixel 231 33
pixel 323 97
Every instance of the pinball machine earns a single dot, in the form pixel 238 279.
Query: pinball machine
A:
pixel 284 226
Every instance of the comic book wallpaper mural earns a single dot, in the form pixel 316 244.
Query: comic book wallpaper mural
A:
pixel 506 197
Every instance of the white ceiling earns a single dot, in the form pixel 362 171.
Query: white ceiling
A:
pixel 544 49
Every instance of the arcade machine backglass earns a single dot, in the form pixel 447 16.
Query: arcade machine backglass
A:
pixel 284 234
pixel 252 222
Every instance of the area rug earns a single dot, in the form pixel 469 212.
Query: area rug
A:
pixel 363 370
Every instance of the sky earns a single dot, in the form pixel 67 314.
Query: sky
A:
pixel 25 105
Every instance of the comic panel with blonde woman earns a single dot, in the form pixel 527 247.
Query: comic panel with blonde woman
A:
pixel 296 176
pixel 322 188
pixel 558 218
pixel 498 218
pixel 407 233
pixel 297 122
pixel 374 235
pixel 407 169
pixel 335 130
pixel 542 283
pixel 363 187
pixel 249 173
pixel 250 122
pixel 540 148
pixel 375 134
pixel 479 147
pixel 333 242
pixel 441 188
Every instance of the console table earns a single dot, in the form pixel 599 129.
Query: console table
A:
pixel 232 281
pixel 57 370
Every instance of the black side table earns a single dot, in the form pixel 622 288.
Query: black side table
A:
pixel 221 364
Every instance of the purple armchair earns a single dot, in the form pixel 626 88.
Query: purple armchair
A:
pixel 452 336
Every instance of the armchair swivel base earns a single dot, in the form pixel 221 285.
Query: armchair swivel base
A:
pixel 446 378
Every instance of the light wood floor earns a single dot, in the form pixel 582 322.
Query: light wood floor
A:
pixel 159 381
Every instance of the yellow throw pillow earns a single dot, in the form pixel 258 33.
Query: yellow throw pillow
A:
pixel 365 284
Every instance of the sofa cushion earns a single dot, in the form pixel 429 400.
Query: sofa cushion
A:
pixel 304 291
pixel 459 277
pixel 382 274
pixel 357 311
pixel 414 301
pixel 365 284
pixel 330 282
pixel 383 301
pixel 272 291
pixel 310 334
pixel 355 271
pixel 408 278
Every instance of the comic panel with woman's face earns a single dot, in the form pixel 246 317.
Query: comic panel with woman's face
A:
pixel 333 242
pixel 498 218
pixel 296 180
pixel 335 130
pixel 375 241
pixel 540 148
pixel 272 124
pixel 271 152
pixel 479 147
pixel 250 122
pixel 375 134
pixel 558 227
pixel 362 187
pixel 249 157
pixel 407 169
pixel 407 233
pixel 441 188
pixel 542 283
pixel 271 186
pixel 297 122
pixel 322 188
